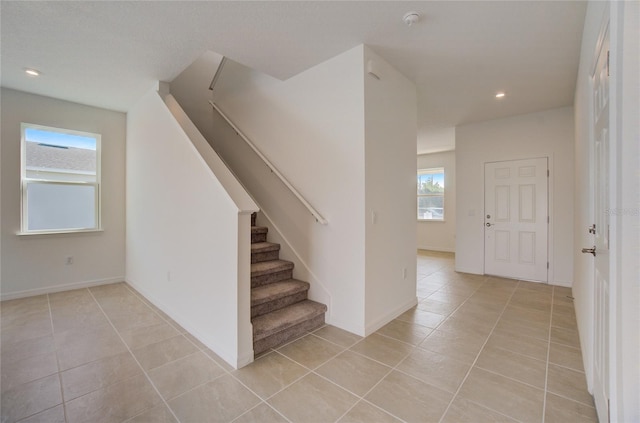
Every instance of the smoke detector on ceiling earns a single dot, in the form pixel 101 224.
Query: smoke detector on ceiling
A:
pixel 410 18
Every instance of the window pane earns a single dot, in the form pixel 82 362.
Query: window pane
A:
pixel 431 194
pixel 60 156
pixel 61 206
pixel 431 207
pixel 431 183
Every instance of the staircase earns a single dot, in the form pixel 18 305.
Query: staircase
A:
pixel 280 310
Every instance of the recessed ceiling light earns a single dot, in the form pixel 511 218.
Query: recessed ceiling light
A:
pixel 32 72
pixel 500 95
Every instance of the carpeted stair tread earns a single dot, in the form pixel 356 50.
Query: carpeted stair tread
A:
pixel 274 291
pixel 259 229
pixel 272 266
pixel 285 318
pixel 259 234
pixel 264 251
pixel 263 247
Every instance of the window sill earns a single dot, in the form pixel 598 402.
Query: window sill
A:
pixel 432 220
pixel 74 231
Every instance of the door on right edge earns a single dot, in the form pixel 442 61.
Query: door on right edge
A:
pixel 601 351
pixel 516 219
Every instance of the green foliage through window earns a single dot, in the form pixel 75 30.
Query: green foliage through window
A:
pixel 431 194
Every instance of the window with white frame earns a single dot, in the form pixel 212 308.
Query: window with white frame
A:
pixel 431 194
pixel 60 180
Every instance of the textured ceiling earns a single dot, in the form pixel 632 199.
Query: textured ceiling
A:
pixel 108 53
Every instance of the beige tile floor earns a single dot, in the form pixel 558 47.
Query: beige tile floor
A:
pixel 475 349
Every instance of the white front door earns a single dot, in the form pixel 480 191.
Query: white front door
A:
pixel 516 219
pixel 601 228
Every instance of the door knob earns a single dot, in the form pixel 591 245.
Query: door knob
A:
pixel 488 224
pixel 590 250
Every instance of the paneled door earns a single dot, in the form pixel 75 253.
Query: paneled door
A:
pixel 516 219
pixel 601 353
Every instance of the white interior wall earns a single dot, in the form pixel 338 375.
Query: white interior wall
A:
pixel 390 116
pixel 440 235
pixel 436 139
pixel 35 264
pixel 191 88
pixel 311 127
pixel 544 134
pixel 183 231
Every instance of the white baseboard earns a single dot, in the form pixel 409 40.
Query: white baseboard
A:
pixel 566 284
pixel 435 248
pixel 245 360
pixel 59 288
pixel 387 317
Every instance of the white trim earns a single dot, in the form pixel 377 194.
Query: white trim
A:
pixel 245 359
pixel 387 317
pixel 436 249
pixel 59 288
pixel 70 231
pixel 566 284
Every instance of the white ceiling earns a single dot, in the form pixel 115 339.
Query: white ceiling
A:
pixel 108 53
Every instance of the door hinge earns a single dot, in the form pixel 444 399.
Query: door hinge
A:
pixel 548 220
pixel 547 265
pixel 547 173
pixel 607 62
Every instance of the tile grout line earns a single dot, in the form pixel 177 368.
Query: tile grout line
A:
pixel 455 395
pixel 55 349
pixel 272 395
pixel 313 371
pixel 308 371
pixel 258 405
pixel 413 348
pixel 137 362
pixel 362 398
pixel 230 373
pixel 546 372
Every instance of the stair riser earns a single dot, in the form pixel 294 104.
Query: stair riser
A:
pixel 283 302
pixel 288 334
pixel 253 219
pixel 258 237
pixel 266 256
pixel 271 277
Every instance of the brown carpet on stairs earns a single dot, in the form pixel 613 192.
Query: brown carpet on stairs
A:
pixel 280 310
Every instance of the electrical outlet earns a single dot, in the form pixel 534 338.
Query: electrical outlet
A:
pixel 69 260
